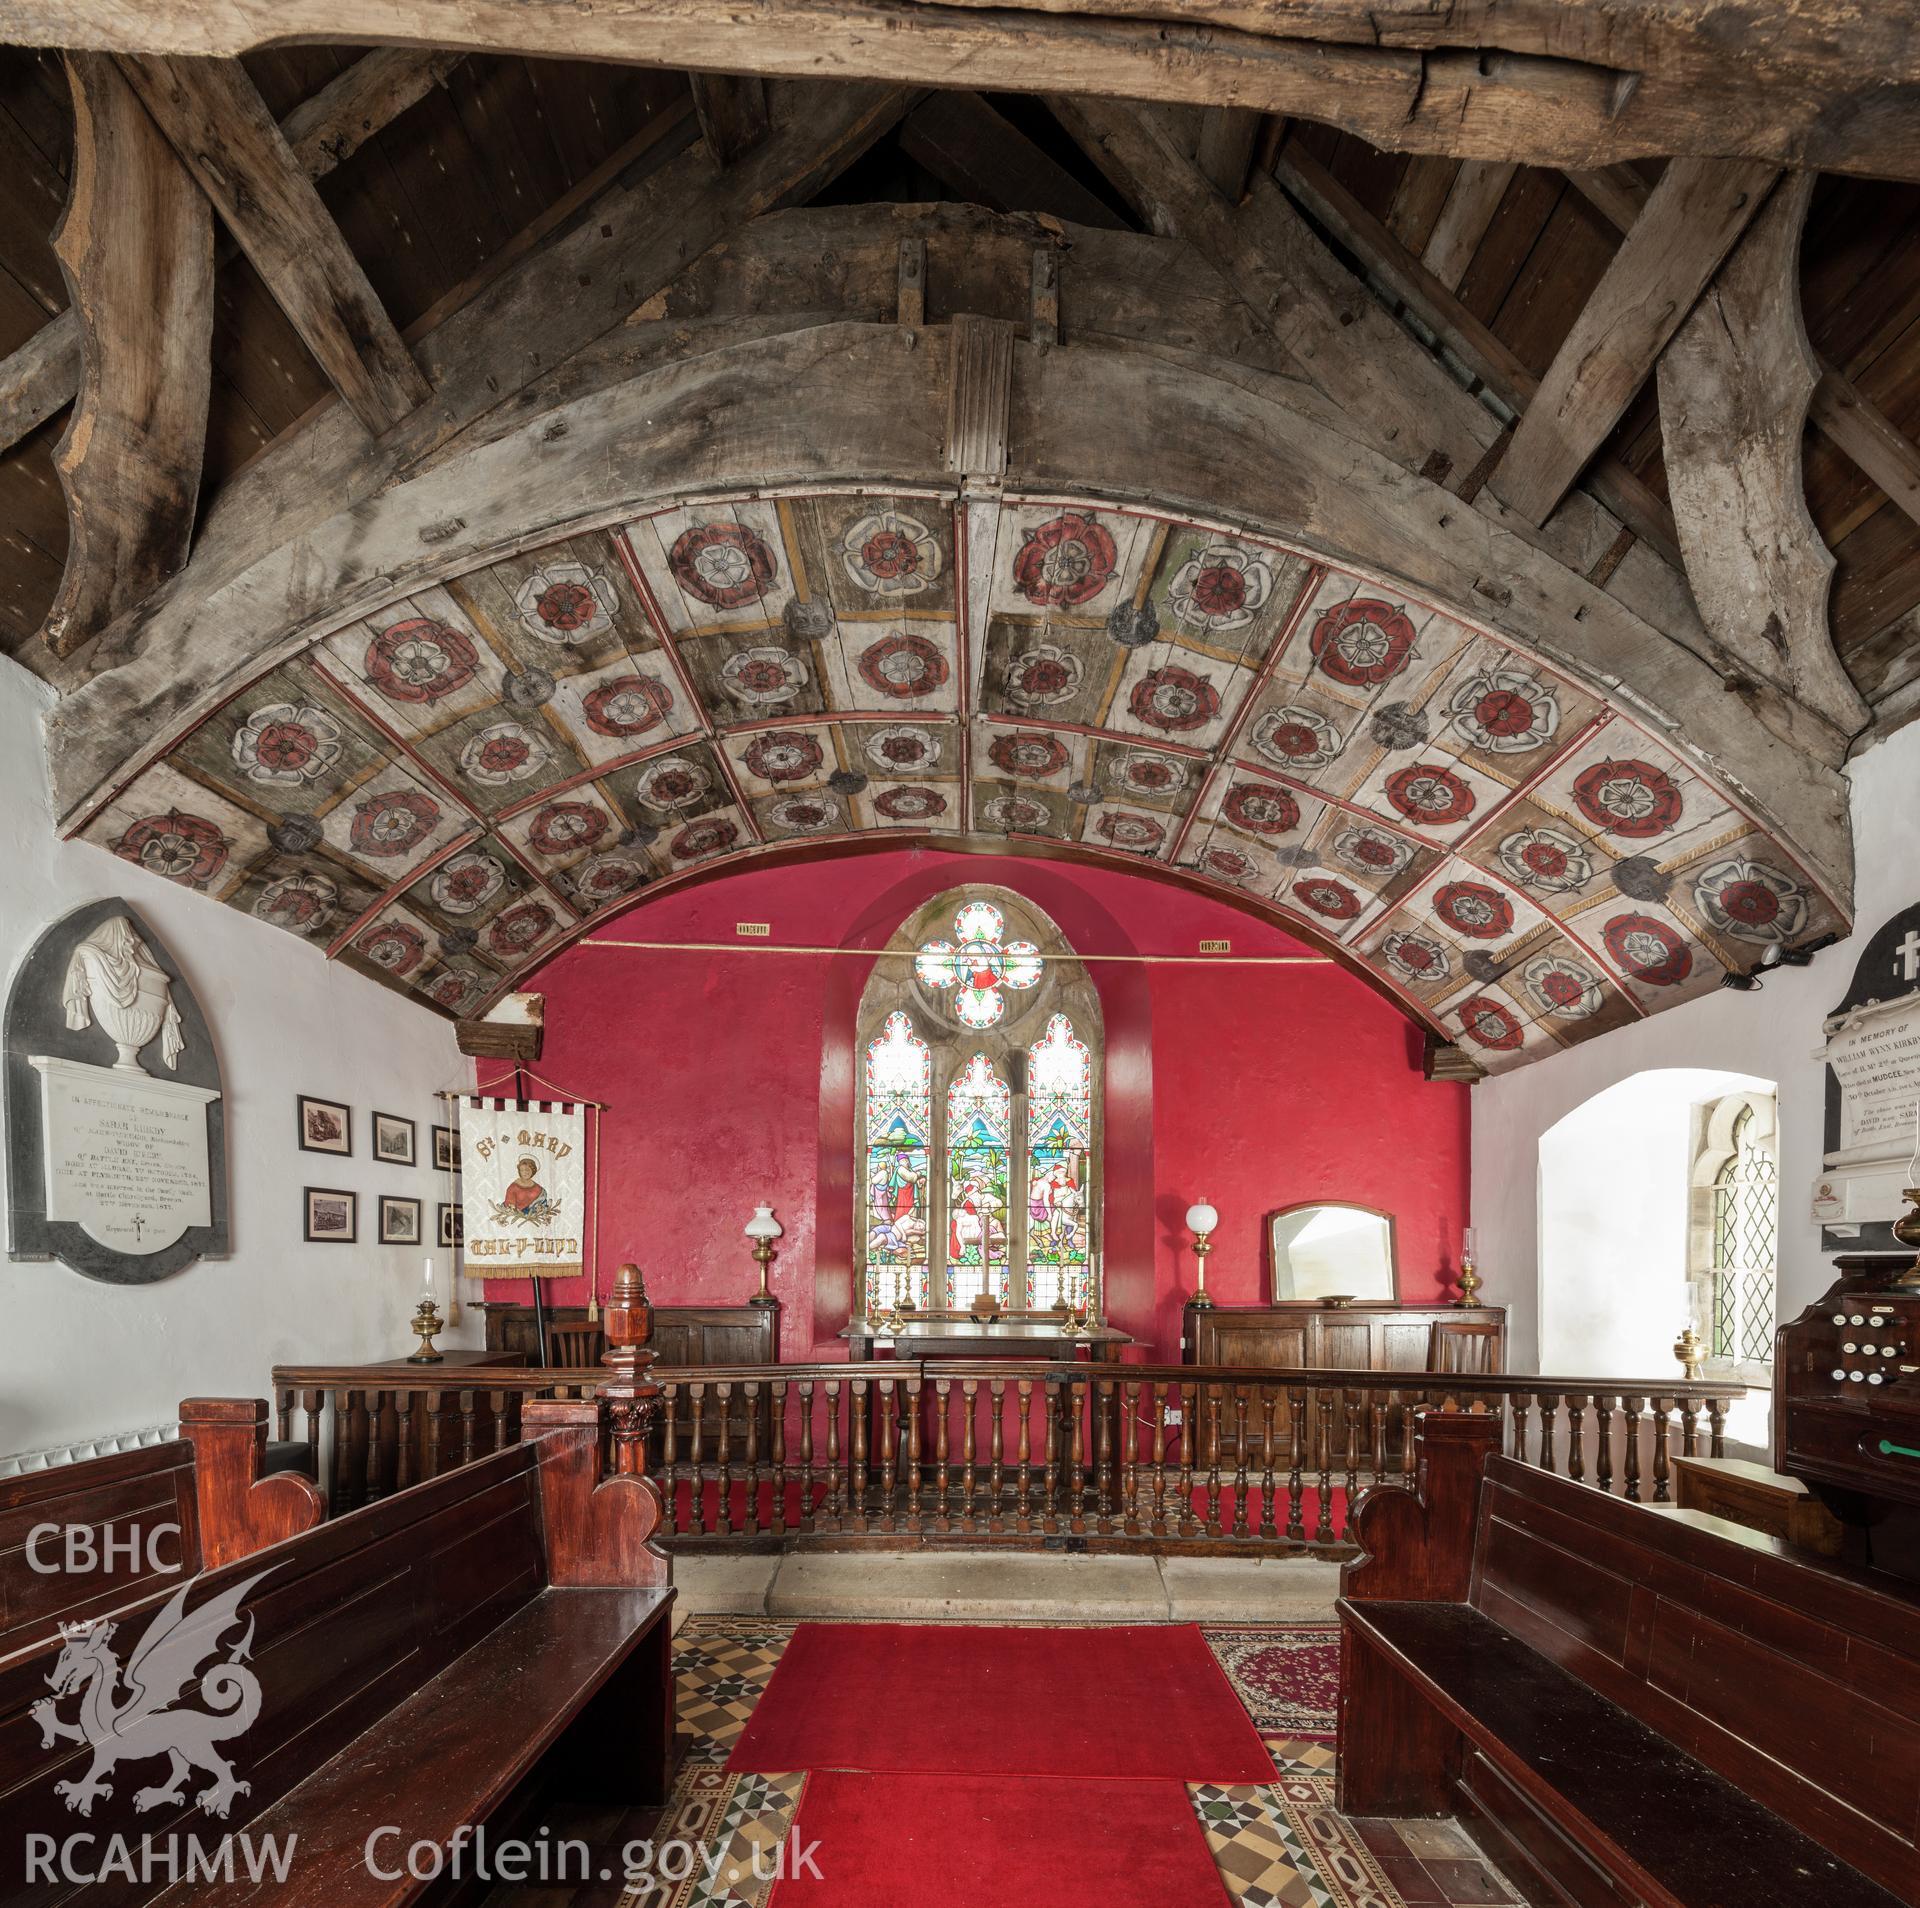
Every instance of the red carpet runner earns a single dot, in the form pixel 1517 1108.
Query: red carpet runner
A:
pixel 961 1699
pixel 922 1841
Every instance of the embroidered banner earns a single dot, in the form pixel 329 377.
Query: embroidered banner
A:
pixel 524 1174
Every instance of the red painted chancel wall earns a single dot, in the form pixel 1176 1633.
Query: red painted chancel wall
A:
pixel 1255 1087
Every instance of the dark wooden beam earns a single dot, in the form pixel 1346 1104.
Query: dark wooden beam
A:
pixel 136 244
pixel 1813 84
pixel 1734 384
pixel 221 127
pixel 987 160
pixel 1478 187
pixel 733 112
pixel 1224 150
pixel 44 373
pixel 1693 218
pixel 1440 311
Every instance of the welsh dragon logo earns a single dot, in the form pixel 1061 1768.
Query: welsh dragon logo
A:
pixel 134 1713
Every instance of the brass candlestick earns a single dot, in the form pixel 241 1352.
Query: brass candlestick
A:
pixel 763 1255
pixel 1691 1350
pixel 1907 1230
pixel 1469 1283
pixel 426 1322
pixel 1202 1217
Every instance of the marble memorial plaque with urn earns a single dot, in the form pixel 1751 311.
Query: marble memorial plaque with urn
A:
pixel 116 1138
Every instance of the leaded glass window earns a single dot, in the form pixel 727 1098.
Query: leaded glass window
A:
pixel 1746 1223
pixel 1059 1140
pixel 980 1112
pixel 899 1132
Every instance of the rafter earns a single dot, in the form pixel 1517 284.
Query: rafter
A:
pixel 136 244
pixel 1458 331
pixel 1734 385
pixel 1224 150
pixel 733 112
pixel 220 126
pixel 1693 218
pixel 44 373
pixel 1478 187
pixel 983 158
pixel 559 294
pixel 1822 83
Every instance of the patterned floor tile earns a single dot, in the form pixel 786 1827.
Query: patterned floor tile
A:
pixel 721 1665
pixel 717 1840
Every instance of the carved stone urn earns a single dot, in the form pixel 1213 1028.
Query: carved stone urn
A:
pixel 114 980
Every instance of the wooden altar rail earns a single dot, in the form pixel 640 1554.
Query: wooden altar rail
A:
pixel 939 1452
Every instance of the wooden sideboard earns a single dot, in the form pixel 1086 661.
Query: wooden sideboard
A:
pixel 1304 1335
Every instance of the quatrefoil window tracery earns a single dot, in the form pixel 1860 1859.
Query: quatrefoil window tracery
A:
pixel 979 964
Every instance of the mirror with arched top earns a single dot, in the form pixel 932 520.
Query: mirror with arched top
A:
pixel 1322 1251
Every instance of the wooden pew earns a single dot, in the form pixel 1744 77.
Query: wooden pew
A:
pixel 1629 1704
pixel 426 1664
pixel 82 1538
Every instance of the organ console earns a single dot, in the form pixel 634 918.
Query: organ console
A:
pixel 1847 1408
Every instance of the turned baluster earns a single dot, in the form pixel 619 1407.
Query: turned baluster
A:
pixel 1023 1509
pixel 1603 1406
pixel 1078 1396
pixel 1129 1455
pixel 1717 1418
pixel 969 1391
pixel 889 1439
pixel 1630 1433
pixel 1213 1460
pixel 1576 1437
pixel 1268 1529
pixel 313 1402
pixel 338 1489
pixel 436 1403
pixel 403 1403
pixel 696 1455
pixel 1323 1523
pixel 1690 1427
pixel 752 1524
pixel 1519 1403
pixel 467 1402
pixel 1377 1439
pixel 1296 1452
pixel 1239 1460
pixel 283 1413
pixel 913 1449
pixel 836 1478
pixel 996 1451
pixel 1159 1520
pixel 777 1427
pixel 942 1480
pixel 857 1439
pixel 1102 1406
pixel 1662 1469
pixel 669 1456
pixel 1054 1394
pixel 1353 1448
pixel 1188 1522
pixel 806 1455
pixel 1549 1416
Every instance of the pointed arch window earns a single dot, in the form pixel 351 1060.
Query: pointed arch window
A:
pixel 980 1112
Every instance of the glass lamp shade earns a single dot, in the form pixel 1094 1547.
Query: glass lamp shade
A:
pixel 763 1225
pixel 1202 1217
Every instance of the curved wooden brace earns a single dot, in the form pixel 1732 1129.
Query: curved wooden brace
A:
pixel 1734 386
pixel 241 1511
pixel 867 404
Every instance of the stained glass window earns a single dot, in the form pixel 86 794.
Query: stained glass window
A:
pixel 899 1139
pixel 980 1153
pixel 1746 1228
pixel 978 963
pixel 1059 1140
pixel 979 1150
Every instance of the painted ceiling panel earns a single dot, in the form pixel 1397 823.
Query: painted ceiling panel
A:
pixel 446 792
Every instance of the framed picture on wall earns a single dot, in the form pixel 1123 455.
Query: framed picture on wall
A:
pixel 453 1225
pixel 332 1217
pixel 446 1150
pixel 399 1220
pixel 325 1125
pixel 393 1139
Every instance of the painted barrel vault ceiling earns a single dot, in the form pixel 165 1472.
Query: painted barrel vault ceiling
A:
pixel 443 794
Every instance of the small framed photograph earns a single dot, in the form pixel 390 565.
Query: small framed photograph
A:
pixel 394 1138
pixel 332 1216
pixel 399 1220
pixel 453 1225
pixel 446 1150
pixel 325 1125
